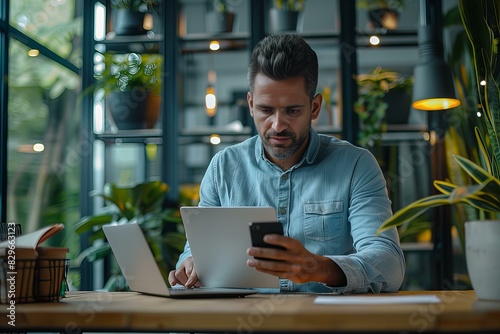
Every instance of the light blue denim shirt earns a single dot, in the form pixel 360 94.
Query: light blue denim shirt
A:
pixel 332 201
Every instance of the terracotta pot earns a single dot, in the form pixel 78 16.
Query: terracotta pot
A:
pixel 152 111
pixel 482 251
pixel 131 110
pixel 51 272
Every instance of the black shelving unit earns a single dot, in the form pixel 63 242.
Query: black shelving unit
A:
pixel 164 135
pixel 170 135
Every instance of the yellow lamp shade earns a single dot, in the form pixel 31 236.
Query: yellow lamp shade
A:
pixel 433 87
pixel 435 104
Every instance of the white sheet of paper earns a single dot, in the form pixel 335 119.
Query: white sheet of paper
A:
pixel 34 239
pixel 372 300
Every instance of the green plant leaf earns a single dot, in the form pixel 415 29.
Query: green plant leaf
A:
pixel 414 210
pixel 484 196
pixel 413 228
pixel 89 222
pixel 483 152
pixel 480 20
pixel 444 187
pixel 371 106
pixel 124 72
pixel 477 173
pixel 96 235
pixel 175 240
pixel 141 203
pixel 91 254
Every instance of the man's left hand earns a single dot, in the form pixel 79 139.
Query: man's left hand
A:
pixel 295 263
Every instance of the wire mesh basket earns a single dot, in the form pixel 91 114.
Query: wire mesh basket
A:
pixel 51 281
pixel 32 280
pixel 17 282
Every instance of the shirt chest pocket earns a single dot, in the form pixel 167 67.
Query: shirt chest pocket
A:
pixel 323 220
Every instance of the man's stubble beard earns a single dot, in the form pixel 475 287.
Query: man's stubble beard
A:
pixel 280 152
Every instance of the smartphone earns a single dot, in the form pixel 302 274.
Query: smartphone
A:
pixel 259 229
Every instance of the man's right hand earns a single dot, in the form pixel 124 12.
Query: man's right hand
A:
pixel 185 275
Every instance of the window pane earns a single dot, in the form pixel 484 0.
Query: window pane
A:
pixel 52 23
pixel 44 154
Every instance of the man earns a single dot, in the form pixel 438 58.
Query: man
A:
pixel 329 195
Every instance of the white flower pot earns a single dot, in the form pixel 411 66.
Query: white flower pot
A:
pixel 482 241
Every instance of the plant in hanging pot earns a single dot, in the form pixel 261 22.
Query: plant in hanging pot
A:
pixel 384 97
pixel 220 17
pixel 382 13
pixel 128 15
pixel 132 87
pixel 284 15
pixel 482 250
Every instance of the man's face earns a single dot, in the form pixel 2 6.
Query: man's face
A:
pixel 282 113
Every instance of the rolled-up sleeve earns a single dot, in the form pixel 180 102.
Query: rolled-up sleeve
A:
pixel 378 264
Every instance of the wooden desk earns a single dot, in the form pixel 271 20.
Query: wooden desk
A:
pixel 128 311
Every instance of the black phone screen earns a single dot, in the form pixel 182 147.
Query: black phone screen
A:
pixel 259 229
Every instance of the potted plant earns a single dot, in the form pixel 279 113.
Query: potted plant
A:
pixel 483 192
pixel 220 18
pixel 284 15
pixel 132 85
pixel 128 16
pixel 384 96
pixel 142 203
pixel 382 13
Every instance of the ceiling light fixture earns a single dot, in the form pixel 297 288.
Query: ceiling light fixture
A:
pixel 210 98
pixel 214 45
pixel 147 24
pixel 215 139
pixel 33 53
pixel 433 87
pixel 374 40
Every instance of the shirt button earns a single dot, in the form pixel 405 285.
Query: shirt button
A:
pixel 322 209
pixel 282 211
pixel 284 177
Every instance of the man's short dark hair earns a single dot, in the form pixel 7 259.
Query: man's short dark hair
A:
pixel 282 57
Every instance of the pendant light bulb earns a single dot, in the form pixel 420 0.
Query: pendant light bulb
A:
pixel 210 101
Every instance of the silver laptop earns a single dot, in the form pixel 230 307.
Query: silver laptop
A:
pixel 138 266
pixel 219 238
